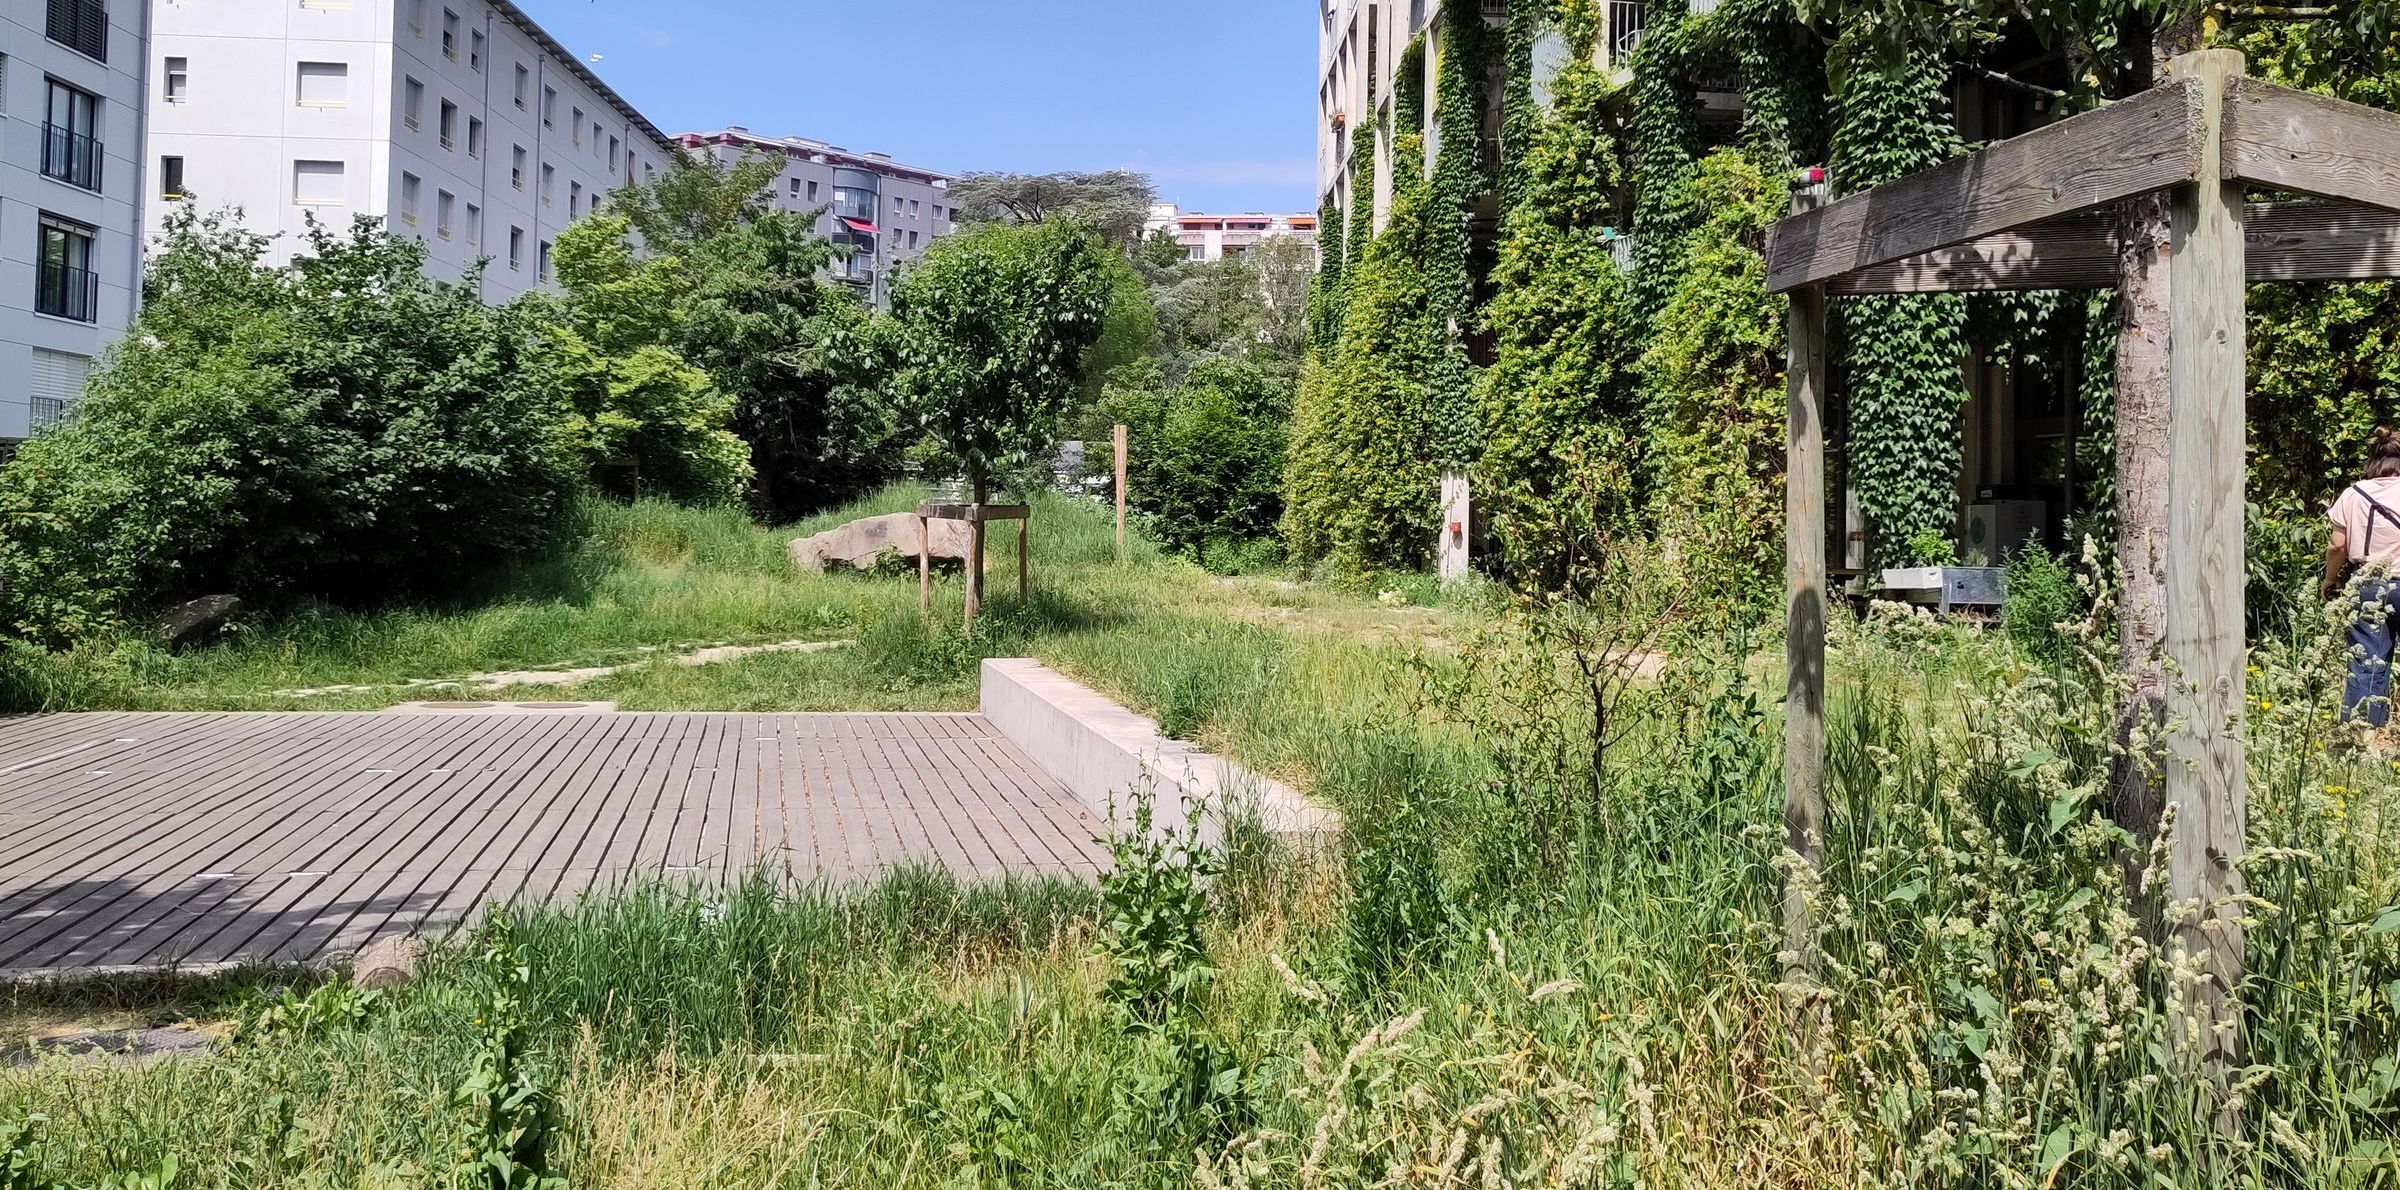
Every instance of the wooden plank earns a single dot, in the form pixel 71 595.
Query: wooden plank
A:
pixel 1804 625
pixel 2312 144
pixel 1120 445
pixel 973 513
pixel 2295 241
pixel 2130 147
pixel 2205 768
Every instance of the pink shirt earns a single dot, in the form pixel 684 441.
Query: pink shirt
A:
pixel 2352 512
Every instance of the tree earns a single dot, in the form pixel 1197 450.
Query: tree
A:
pixel 993 326
pixel 1115 203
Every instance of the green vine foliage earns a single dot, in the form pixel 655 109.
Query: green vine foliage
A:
pixel 1325 289
pixel 1360 477
pixel 1713 370
pixel 1781 63
pixel 1520 116
pixel 1666 152
pixel 1901 355
pixel 1559 397
pixel 1459 182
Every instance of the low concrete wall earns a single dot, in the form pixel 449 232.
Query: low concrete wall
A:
pixel 1105 752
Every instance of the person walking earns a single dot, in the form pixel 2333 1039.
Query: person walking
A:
pixel 2362 553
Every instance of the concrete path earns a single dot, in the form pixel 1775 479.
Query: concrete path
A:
pixel 142 840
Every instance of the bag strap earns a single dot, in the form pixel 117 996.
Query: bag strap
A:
pixel 2374 507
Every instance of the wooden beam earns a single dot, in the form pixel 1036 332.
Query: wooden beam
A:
pixel 945 511
pixel 2298 241
pixel 1804 623
pixel 2205 629
pixel 2129 147
pixel 2313 144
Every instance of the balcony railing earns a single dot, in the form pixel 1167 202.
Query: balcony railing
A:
pixel 64 292
pixel 70 157
pixel 80 25
pixel 49 411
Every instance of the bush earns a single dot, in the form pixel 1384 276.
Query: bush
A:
pixel 1205 458
pixel 2041 596
pixel 342 426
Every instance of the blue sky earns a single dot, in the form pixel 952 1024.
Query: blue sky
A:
pixel 1215 101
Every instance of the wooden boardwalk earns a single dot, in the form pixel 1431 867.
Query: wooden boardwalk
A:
pixel 145 840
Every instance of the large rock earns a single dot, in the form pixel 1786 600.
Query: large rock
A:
pixel 863 543
pixel 187 621
pixel 388 962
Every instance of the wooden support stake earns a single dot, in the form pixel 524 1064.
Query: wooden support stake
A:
pixel 1120 436
pixel 2204 572
pixel 1024 558
pixel 924 566
pixel 1804 626
pixel 975 560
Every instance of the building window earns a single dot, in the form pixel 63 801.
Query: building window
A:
pixel 416 17
pixel 549 107
pixel 549 184
pixel 170 178
pixel 474 137
pixel 516 167
pixel 795 189
pixel 524 81
pixel 71 150
pixel 408 199
pixel 543 269
pixel 58 378
pixel 912 237
pixel 66 286
pixel 324 84
pixel 412 104
pixel 474 224
pixel 448 125
pixel 475 50
pixel 176 79
pixel 450 35
pixel 574 198
pixel 317 183
pixel 3 83
pixel 80 25
pixel 913 209
pixel 613 147
pixel 575 126
pixel 812 192
pixel 516 247
pixel 596 131
pixel 443 206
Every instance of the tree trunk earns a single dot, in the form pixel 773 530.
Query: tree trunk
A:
pixel 2143 341
pixel 2141 449
pixel 981 488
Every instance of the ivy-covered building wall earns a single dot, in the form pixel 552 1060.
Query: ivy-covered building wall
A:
pixel 1564 298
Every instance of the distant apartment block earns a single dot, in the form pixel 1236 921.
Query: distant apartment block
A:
pixel 71 88
pixel 879 213
pixel 1215 237
pixel 458 122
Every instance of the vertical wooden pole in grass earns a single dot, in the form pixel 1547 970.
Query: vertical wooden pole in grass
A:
pixel 924 565
pixel 1120 437
pixel 2204 614
pixel 975 555
pixel 1804 626
pixel 1025 555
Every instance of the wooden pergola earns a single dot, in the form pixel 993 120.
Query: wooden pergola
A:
pixel 2030 213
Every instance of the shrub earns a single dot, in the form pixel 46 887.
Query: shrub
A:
pixel 1204 459
pixel 342 426
pixel 2041 596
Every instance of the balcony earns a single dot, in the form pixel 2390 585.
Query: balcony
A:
pixel 80 25
pixel 1624 29
pixel 70 157
pixel 62 291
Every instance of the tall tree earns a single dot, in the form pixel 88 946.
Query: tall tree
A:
pixel 1115 203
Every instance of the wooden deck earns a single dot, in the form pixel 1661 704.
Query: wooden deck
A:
pixel 145 840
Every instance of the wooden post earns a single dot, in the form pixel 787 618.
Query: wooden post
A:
pixel 2204 615
pixel 1024 557
pixel 924 566
pixel 1804 624
pixel 1120 436
pixel 975 557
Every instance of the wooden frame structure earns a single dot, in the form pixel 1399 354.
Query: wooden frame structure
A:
pixel 976 516
pixel 2032 213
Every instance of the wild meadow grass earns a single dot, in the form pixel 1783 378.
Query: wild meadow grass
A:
pixel 1520 968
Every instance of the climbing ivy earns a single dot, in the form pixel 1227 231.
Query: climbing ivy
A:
pixel 1666 151
pixel 1901 356
pixel 1460 180
pixel 1325 289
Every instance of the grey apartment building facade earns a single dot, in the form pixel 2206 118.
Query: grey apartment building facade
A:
pixel 879 213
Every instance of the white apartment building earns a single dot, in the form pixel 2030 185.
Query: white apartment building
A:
pixel 70 188
pixel 1215 237
pixel 459 122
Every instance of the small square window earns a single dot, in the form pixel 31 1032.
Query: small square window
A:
pixel 444 203
pixel 412 104
pixel 408 199
pixel 178 80
pixel 324 84
pixel 317 183
pixel 516 247
pixel 170 178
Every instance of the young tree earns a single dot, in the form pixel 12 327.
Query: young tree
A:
pixel 993 326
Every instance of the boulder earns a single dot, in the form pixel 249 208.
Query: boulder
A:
pixel 387 962
pixel 863 543
pixel 187 621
